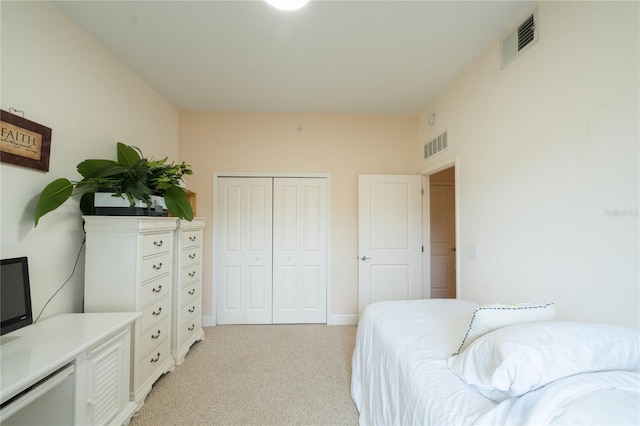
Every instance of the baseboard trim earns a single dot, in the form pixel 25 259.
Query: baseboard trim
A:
pixel 343 319
pixel 340 319
pixel 208 321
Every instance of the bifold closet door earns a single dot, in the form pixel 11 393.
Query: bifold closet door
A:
pixel 300 250
pixel 271 250
pixel 243 217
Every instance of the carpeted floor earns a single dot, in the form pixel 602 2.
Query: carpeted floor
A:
pixel 259 375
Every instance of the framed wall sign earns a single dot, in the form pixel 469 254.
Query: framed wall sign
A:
pixel 24 143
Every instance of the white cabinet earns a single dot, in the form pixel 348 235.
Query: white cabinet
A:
pixel 71 369
pixel 187 294
pixel 129 267
pixel 107 389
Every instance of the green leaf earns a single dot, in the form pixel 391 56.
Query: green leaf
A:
pixel 154 164
pixel 178 203
pixel 52 197
pixel 85 187
pixel 127 155
pixel 86 203
pixel 138 190
pixel 96 168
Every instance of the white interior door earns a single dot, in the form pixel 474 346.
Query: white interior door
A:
pixel 389 238
pixel 243 220
pixel 443 242
pixel 300 250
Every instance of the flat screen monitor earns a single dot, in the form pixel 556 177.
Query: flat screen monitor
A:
pixel 15 294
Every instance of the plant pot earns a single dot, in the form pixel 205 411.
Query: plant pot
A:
pixel 105 204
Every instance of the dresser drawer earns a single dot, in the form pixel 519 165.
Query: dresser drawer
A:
pixel 155 244
pixel 152 360
pixel 154 267
pixel 152 337
pixel 190 255
pixel 155 312
pixel 190 238
pixel 154 290
pixel 189 292
pixel 190 274
pixel 188 328
pixel 191 308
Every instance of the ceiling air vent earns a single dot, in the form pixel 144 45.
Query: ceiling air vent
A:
pixel 435 146
pixel 520 39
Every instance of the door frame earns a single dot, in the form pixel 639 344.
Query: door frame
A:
pixel 216 175
pixel 426 227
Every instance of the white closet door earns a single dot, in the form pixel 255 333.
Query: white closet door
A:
pixel 244 245
pixel 300 250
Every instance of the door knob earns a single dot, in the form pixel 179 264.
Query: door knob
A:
pixel 365 258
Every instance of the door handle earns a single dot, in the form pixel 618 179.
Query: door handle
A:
pixel 365 258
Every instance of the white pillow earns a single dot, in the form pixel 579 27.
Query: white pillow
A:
pixel 491 317
pixel 513 360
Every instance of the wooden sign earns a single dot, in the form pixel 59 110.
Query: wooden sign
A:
pixel 24 143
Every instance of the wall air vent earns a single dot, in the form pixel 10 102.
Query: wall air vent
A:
pixel 520 39
pixel 435 146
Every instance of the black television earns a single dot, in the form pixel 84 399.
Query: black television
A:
pixel 15 294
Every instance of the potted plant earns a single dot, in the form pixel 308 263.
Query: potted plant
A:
pixel 131 177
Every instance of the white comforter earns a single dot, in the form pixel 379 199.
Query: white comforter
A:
pixel 400 376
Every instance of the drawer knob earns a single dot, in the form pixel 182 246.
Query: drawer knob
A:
pixel 157 290
pixel 192 292
pixel 192 238
pixel 155 336
pixel 158 243
pixel 155 314
pixel 193 326
pixel 192 256
pixel 158 266
pixel 192 274
pixel 154 360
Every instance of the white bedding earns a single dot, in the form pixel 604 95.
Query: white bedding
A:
pixel 400 376
pixel 603 398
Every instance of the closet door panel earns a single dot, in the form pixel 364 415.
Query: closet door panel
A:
pixel 300 250
pixel 232 288
pixel 258 252
pixel 313 301
pixel 244 273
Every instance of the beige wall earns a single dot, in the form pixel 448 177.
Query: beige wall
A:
pixel 546 155
pixel 62 78
pixel 340 145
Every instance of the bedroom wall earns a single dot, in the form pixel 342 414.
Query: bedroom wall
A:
pixel 62 78
pixel 341 145
pixel 547 157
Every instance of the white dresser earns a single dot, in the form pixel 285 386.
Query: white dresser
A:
pixel 187 294
pixel 70 369
pixel 129 267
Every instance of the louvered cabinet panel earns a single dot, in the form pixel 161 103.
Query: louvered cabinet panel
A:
pixel 107 381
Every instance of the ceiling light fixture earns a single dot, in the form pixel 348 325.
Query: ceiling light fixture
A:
pixel 287 4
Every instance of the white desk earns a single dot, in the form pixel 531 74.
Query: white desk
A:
pixel 75 346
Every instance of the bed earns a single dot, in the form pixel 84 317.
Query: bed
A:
pixel 453 362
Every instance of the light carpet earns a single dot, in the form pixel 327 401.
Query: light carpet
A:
pixel 259 375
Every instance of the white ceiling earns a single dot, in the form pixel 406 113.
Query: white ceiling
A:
pixel 331 56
